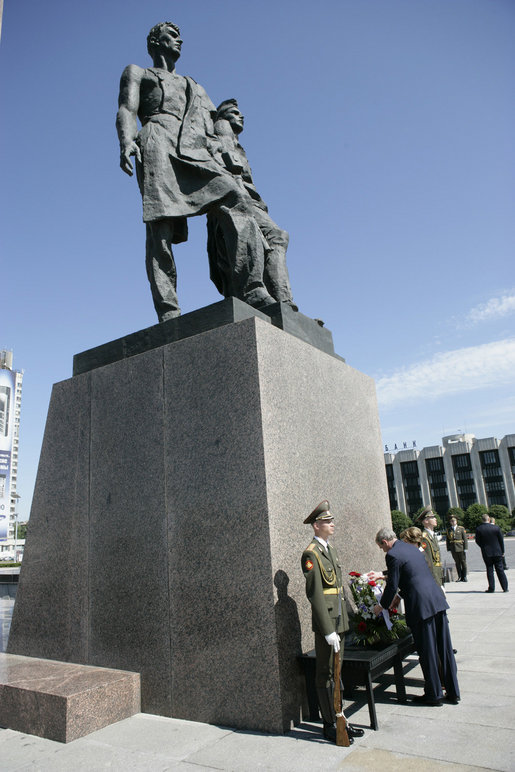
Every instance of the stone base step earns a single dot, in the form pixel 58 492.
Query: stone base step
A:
pixel 63 701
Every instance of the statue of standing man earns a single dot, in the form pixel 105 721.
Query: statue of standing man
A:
pixel 180 174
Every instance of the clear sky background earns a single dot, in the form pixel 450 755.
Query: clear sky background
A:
pixel 380 133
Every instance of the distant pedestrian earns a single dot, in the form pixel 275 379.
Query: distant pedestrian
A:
pixel 457 543
pixel 504 565
pixel 489 537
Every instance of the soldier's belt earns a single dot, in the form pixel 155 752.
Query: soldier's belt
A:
pixel 331 591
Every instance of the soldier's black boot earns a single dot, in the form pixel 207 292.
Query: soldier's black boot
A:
pixel 326 705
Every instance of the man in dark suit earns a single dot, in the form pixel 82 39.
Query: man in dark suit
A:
pixel 425 607
pixel 324 589
pixel 457 543
pixel 489 537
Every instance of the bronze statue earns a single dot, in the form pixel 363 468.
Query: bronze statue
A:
pixel 180 174
pixel 228 126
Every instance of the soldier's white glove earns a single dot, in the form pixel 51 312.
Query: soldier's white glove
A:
pixel 333 639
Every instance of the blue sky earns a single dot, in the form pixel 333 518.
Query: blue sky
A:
pixel 380 133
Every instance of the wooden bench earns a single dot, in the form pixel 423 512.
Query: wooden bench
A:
pixel 360 667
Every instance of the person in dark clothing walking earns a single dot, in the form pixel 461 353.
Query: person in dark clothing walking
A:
pixel 489 537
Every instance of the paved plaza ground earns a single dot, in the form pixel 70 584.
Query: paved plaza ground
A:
pixel 479 733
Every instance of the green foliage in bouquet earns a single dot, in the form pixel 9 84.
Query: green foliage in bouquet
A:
pixel 366 628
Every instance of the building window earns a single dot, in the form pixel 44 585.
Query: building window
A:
pixel 462 461
pixel 489 457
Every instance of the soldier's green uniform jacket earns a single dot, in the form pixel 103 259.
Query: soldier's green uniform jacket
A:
pixel 456 540
pixel 432 550
pixel 324 589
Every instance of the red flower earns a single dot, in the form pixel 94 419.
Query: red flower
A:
pixel 394 611
pixel 362 627
pixel 372 583
pixel 354 573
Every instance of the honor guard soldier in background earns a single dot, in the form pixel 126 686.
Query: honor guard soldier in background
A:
pixel 427 522
pixel 457 543
pixel 324 589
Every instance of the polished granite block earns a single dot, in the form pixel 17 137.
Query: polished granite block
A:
pixel 309 330
pixel 55 569
pixel 63 701
pixel 183 475
pixel 210 317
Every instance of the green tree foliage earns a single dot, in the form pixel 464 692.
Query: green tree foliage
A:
pixel 400 521
pixel 456 512
pixel 22 530
pixel 473 516
pixel 502 516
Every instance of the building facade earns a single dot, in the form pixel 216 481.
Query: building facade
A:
pixel 10 409
pixel 462 471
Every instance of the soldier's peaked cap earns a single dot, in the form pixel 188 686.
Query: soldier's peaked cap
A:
pixel 426 512
pixel 320 512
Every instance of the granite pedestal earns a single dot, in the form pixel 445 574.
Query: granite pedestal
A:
pixel 166 526
pixel 62 701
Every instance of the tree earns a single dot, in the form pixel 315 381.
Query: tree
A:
pixel 22 530
pixel 400 521
pixel 473 516
pixel 502 516
pixel 456 512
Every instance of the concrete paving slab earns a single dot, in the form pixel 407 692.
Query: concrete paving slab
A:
pixel 484 684
pixel 303 748
pixel 106 758
pixel 175 738
pixel 371 760
pixel 490 664
pixel 440 737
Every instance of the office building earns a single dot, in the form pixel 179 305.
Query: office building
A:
pixel 462 471
pixel 10 407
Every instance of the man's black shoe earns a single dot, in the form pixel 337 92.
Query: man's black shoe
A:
pixel 330 733
pixel 489 590
pixel 422 699
pixel 354 731
pixel 453 700
pixel 464 579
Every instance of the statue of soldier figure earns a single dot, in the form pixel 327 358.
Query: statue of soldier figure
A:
pixel 181 173
pixel 228 126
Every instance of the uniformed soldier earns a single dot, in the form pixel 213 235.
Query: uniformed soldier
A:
pixel 427 521
pixel 324 589
pixel 457 543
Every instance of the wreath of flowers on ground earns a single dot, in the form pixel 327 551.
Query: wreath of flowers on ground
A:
pixel 366 628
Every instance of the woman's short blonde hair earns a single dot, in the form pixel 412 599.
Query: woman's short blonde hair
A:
pixel 412 535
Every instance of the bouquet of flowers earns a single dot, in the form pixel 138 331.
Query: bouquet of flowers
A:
pixel 366 628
